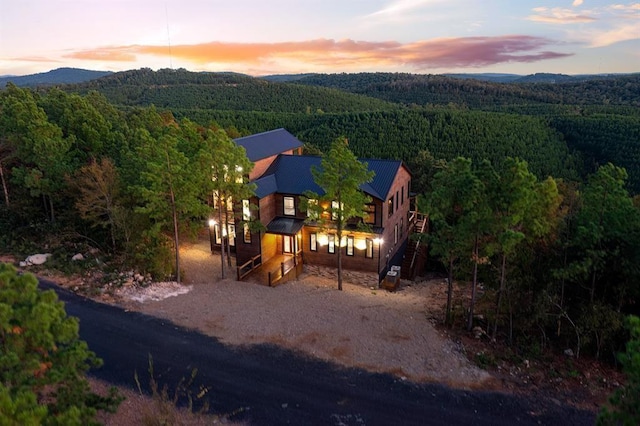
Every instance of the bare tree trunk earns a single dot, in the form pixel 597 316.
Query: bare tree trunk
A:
pixel 174 214
pixel 226 227
pixel 339 235
pixel 222 274
pixel 447 314
pixel 503 273
pixel 4 186
pixel 53 216
pixel 474 284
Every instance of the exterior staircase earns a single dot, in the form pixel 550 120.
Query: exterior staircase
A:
pixel 415 254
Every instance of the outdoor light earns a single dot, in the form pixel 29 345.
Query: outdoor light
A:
pixel 212 222
pixel 323 239
pixel 361 244
pixel 378 241
pixel 343 241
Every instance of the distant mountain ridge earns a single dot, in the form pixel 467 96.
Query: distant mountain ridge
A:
pixel 53 77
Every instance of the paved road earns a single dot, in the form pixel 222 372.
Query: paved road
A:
pixel 272 386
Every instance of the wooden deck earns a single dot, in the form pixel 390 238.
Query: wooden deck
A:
pixel 274 266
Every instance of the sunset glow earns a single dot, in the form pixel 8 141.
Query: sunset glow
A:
pixel 420 36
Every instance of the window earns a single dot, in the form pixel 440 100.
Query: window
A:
pixel 332 243
pixel 349 246
pixel 397 199
pixel 395 234
pixel 370 210
pixel 390 206
pixel 286 244
pixel 247 234
pixel 402 196
pixel 313 242
pixel 312 209
pixel 401 226
pixel 246 211
pixel 369 250
pixel 289 206
pixel 335 208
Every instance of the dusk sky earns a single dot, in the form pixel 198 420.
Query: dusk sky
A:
pixel 288 36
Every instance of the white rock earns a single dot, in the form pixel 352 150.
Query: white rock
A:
pixel 77 256
pixel 36 259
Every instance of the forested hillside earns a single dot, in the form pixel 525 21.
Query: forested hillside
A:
pixel 173 89
pixel 441 90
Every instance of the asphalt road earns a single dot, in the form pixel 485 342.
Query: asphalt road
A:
pixel 267 385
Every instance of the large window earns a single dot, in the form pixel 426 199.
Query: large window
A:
pixel 397 199
pixel 312 209
pixel 246 234
pixel 369 250
pixel 390 206
pixel 246 211
pixel 350 246
pixel 289 206
pixel 331 247
pixel 370 210
pixel 335 209
pixel 395 234
pixel 313 242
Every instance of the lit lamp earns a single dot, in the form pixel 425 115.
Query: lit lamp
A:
pixel 379 242
pixel 212 223
pixel 361 244
pixel 323 239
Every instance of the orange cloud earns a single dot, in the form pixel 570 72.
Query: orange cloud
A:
pixel 437 53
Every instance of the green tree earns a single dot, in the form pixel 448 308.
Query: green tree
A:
pixel 625 402
pixel 453 210
pixel 42 360
pixel 227 168
pixel 340 176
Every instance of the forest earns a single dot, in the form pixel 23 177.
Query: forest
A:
pixel 530 189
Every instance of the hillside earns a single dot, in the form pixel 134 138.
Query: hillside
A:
pixel 54 77
pixel 223 91
pixel 560 129
pixel 421 89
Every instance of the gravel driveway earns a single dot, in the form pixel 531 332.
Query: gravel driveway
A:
pixel 359 326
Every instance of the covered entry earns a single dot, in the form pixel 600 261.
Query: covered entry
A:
pixel 287 261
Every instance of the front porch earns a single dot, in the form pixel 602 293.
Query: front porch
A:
pixel 277 270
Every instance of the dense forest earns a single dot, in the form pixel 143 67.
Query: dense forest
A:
pixel 564 129
pixel 527 197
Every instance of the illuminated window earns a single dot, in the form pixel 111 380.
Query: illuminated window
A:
pixel 247 234
pixel 313 242
pixel 312 209
pixel 289 206
pixel 369 250
pixel 335 209
pixel 395 234
pixel 390 206
pixel 332 243
pixel 349 246
pixel 246 211
pixel 370 210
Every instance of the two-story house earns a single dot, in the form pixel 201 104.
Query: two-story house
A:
pixel 282 177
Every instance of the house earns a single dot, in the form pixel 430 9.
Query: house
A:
pixel 282 176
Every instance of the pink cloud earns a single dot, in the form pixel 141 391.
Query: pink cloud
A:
pixel 436 53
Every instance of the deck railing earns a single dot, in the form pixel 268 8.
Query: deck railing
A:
pixel 249 266
pixel 291 267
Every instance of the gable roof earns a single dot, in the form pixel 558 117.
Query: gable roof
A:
pixel 291 174
pixel 268 144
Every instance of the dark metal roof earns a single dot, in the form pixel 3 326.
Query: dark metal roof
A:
pixel 267 144
pixel 285 226
pixel 292 174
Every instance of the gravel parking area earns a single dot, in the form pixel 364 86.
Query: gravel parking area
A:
pixel 360 326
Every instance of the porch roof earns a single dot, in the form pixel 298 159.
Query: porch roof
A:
pixel 285 225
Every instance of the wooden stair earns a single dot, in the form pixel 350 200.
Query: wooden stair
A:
pixel 415 253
